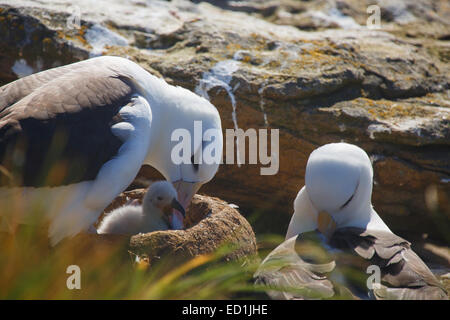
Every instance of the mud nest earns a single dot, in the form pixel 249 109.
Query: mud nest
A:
pixel 211 224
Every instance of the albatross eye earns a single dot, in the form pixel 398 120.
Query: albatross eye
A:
pixel 195 165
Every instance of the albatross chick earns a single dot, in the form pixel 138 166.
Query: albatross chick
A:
pixel 154 213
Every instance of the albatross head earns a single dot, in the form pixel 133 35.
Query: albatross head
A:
pixel 193 122
pixel 337 192
pixel 162 196
pixel 189 176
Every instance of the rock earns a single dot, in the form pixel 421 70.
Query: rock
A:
pixel 385 90
pixel 211 224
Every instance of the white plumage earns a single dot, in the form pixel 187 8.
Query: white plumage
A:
pixel 338 181
pixel 152 215
pixel 334 211
pixel 123 220
pixel 116 99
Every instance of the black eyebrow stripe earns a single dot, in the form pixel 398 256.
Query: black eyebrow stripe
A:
pixel 348 201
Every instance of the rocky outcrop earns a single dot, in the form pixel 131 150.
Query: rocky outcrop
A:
pixel 211 224
pixel 309 68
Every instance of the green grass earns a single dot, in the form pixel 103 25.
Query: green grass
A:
pixel 31 269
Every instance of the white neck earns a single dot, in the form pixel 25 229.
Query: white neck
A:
pixel 305 217
pixel 367 218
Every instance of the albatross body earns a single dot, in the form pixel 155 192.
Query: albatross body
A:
pixel 72 138
pixel 335 206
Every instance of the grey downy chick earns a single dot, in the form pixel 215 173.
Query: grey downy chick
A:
pixel 154 214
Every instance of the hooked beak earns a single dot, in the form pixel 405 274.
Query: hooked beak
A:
pixel 326 224
pixel 174 217
pixel 186 191
pixel 177 206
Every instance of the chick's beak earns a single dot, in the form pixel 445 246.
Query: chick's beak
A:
pixel 174 217
pixel 177 206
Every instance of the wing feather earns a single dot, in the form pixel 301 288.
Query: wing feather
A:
pixel 59 118
pixel 289 277
pixel 404 274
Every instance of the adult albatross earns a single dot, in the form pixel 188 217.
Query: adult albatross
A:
pixel 73 137
pixel 334 209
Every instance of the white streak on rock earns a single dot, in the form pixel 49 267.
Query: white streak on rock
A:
pixel 398 10
pixel 376 157
pixel 377 128
pixel 334 16
pixel 262 104
pixel 21 68
pixel 220 76
pixel 98 37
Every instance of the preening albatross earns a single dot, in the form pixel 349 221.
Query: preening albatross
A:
pixel 335 207
pixel 72 138
pixel 154 213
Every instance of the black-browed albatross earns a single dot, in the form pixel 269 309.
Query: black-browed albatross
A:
pixel 73 137
pixel 335 206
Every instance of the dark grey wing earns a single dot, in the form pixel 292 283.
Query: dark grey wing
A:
pixel 16 90
pixel 288 277
pixel 55 127
pixel 403 274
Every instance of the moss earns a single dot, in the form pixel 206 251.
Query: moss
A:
pixel 386 109
pixel 273 64
pixel 233 47
pixel 47 40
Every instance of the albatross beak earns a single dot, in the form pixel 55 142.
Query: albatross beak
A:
pixel 186 191
pixel 326 224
